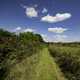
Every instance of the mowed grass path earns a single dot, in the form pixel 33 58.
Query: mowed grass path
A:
pixel 39 66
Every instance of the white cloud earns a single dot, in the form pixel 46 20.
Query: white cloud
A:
pixel 44 10
pixel 45 38
pixel 54 38
pixel 29 30
pixel 17 29
pixel 60 38
pixel 57 18
pixel 31 12
pixel 57 30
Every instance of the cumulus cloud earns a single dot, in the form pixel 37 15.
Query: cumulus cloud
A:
pixel 31 12
pixel 44 10
pixel 29 30
pixel 57 30
pixel 57 18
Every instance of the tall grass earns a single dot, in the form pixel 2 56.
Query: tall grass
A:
pixel 68 59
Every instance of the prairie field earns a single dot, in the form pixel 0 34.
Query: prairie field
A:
pixel 27 57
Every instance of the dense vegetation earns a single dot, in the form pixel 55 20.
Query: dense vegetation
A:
pixel 14 48
pixel 67 56
pixel 27 57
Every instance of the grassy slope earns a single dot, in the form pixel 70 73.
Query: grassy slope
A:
pixel 40 66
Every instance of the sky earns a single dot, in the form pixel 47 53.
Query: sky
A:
pixel 55 20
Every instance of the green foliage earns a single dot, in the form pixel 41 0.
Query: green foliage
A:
pixel 30 37
pixel 68 58
pixel 39 66
pixel 14 48
pixel 25 56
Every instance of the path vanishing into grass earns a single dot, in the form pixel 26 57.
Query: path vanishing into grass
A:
pixel 39 66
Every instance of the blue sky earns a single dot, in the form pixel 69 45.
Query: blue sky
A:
pixel 55 20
